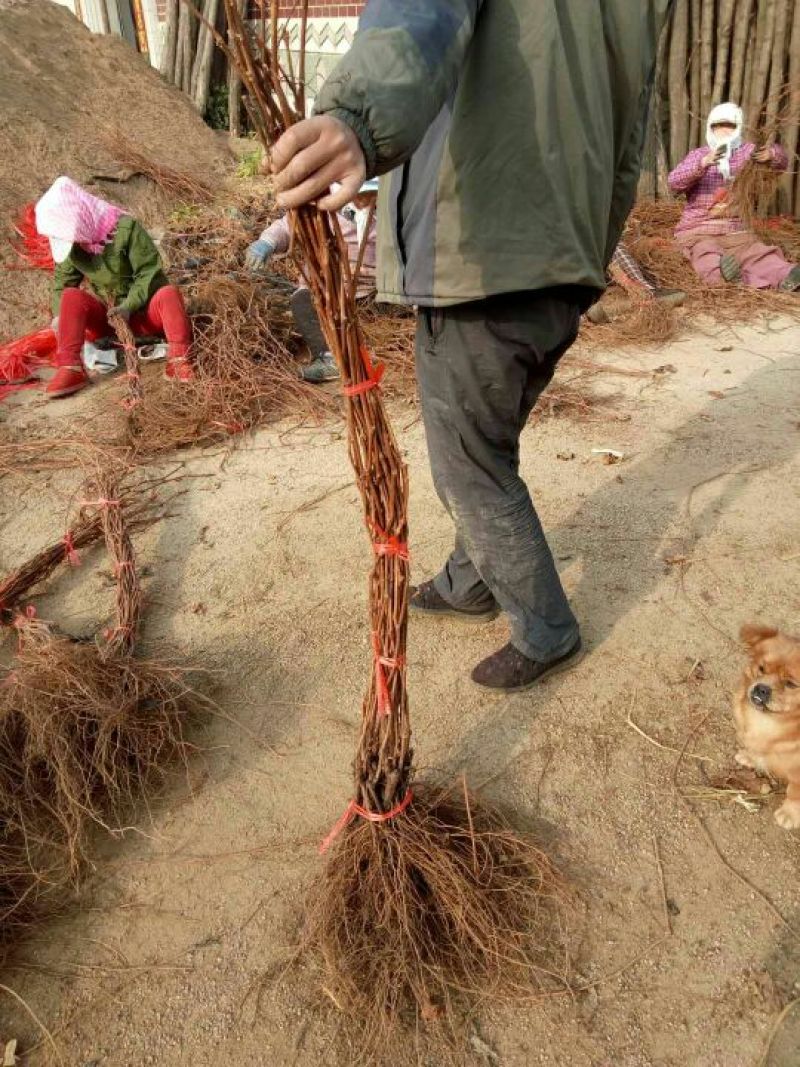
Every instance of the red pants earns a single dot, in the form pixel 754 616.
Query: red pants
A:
pixel 82 315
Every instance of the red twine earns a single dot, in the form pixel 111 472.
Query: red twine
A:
pixel 375 372
pixel 387 544
pixel 382 664
pixel 70 551
pixel 353 809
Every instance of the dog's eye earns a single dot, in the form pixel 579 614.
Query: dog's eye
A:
pixel 792 685
pixel 762 669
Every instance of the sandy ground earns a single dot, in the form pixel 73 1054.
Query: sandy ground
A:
pixel 260 577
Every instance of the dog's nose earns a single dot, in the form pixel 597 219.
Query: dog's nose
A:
pixel 760 695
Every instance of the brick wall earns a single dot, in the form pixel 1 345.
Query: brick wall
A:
pixel 289 9
pixel 322 10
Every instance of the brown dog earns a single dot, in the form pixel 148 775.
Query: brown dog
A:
pixel 767 713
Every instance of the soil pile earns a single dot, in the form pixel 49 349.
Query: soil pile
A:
pixel 65 92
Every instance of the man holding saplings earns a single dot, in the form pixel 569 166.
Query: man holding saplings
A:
pixel 514 133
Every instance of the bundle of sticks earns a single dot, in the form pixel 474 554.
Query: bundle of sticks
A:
pixel 86 726
pixel 428 900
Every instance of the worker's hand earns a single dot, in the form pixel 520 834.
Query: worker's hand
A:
pixel 257 255
pixel 763 155
pixel 311 156
pixel 714 157
pixel 119 312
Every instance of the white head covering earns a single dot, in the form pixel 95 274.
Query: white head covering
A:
pixel 68 215
pixel 727 113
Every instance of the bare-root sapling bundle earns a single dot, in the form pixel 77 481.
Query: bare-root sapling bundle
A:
pixel 753 192
pixel 86 726
pixel 427 901
pixel 244 373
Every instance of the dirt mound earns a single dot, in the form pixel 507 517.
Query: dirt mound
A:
pixel 64 91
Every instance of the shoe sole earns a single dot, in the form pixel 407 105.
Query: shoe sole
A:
pixel 454 613
pixel 551 672
pixel 59 393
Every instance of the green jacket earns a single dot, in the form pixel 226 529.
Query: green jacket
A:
pixel 128 271
pixel 514 131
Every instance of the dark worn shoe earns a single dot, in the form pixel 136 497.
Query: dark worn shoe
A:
pixel 426 601
pixel 510 671
pixel 791 283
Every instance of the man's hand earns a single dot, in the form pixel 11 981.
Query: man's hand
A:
pixel 311 156
pixel 763 155
pixel 714 157
pixel 119 312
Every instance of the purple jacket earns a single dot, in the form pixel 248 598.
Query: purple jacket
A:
pixel 703 184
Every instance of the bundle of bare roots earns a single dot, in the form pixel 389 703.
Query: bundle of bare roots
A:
pixel 450 908
pixel 424 905
pixel 753 192
pixel 244 375
pixel 176 183
pixel 86 727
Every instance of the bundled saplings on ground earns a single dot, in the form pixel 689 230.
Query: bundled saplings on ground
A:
pixel 87 726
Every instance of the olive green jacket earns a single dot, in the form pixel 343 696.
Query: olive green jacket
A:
pixel 513 130
pixel 128 271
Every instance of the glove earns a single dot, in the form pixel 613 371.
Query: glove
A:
pixel 257 254
pixel 119 312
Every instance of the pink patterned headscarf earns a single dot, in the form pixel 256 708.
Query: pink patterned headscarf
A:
pixel 68 215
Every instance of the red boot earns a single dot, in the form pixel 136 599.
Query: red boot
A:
pixel 66 381
pixel 179 369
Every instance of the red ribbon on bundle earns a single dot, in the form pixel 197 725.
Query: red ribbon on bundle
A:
pixel 375 372
pixel 387 544
pixel 353 809
pixel 70 551
pixel 382 664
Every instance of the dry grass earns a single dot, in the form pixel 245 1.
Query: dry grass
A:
pixel 650 237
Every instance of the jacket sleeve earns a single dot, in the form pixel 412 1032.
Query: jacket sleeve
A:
pixel 688 173
pixel 404 64
pixel 66 276
pixel 278 235
pixel 146 265
pixel 780 159
pixel 626 177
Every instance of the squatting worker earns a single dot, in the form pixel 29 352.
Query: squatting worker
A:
pixel 515 131
pixel 358 225
pixel 97 243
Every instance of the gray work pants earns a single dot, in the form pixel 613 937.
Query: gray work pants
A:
pixel 481 367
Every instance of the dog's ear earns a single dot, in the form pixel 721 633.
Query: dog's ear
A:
pixel 751 634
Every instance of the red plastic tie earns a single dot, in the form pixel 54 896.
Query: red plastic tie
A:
pixel 375 372
pixel 387 544
pixel 382 664
pixel 70 551
pixel 354 809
